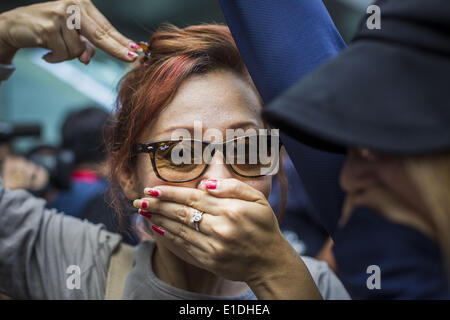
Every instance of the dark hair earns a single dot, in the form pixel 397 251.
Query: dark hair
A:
pixel 83 134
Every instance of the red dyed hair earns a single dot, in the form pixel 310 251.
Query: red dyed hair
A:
pixel 176 54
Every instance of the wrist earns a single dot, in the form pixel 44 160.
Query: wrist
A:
pixel 286 278
pixel 7 51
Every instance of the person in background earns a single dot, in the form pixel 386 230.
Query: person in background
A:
pixel 20 173
pixel 48 157
pixel 385 102
pixel 282 41
pixel 99 210
pixel 83 135
pixel 5 150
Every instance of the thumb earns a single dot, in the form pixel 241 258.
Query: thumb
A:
pixel 88 53
pixel 85 57
pixel 50 57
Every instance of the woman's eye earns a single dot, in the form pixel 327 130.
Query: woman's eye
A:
pixel 163 147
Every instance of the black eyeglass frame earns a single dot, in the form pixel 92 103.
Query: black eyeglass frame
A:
pixel 151 148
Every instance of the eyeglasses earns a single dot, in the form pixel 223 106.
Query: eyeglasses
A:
pixel 179 161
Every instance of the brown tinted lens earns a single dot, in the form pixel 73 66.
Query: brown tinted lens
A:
pixel 254 156
pixel 179 160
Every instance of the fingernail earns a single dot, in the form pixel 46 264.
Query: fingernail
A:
pixel 144 204
pixel 132 54
pixel 87 61
pixel 159 230
pixel 134 45
pixel 152 192
pixel 211 184
pixel 144 213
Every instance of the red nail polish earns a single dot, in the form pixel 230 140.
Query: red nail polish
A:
pixel 211 184
pixel 144 213
pixel 144 204
pixel 134 46
pixel 132 54
pixel 154 193
pixel 159 230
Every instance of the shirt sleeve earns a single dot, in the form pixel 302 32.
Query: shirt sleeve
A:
pixel 47 255
pixel 330 287
pixel 5 71
pixel 280 42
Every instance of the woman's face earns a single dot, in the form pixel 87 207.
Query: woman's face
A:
pixel 365 176
pixel 364 170
pixel 218 101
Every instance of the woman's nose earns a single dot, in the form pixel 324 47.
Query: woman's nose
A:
pixel 358 172
pixel 217 168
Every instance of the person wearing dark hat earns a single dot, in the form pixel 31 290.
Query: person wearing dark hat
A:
pixel 385 99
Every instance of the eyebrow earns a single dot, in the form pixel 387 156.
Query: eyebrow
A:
pixel 237 125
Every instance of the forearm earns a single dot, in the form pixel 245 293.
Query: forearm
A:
pixel 7 52
pixel 290 279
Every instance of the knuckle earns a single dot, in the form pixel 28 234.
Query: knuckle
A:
pixel 217 252
pixel 170 237
pixel 259 194
pixel 47 27
pixel 99 34
pixel 102 32
pixel 182 214
pixel 181 231
pixel 58 10
pixel 222 231
pixel 153 204
pixel 235 190
pixel 187 247
pixel 233 213
pixel 183 243
pixel 234 185
pixel 193 199
pixel 81 3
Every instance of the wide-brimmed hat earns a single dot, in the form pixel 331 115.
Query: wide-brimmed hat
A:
pixel 388 91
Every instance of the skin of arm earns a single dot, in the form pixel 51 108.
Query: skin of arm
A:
pixel 274 284
pixel 6 51
pixel 44 25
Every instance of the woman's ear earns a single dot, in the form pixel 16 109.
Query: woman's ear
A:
pixel 128 184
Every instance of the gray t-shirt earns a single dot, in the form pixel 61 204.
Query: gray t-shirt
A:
pixel 42 250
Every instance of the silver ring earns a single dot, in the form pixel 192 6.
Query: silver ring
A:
pixel 196 218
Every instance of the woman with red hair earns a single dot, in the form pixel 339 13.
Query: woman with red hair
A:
pixel 215 234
